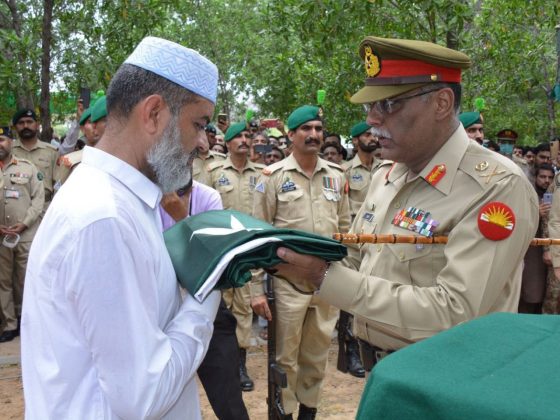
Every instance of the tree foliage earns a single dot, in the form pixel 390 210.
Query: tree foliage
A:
pixel 273 55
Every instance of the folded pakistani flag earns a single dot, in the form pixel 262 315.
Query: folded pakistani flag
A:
pixel 217 249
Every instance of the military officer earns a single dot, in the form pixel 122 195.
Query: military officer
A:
pixel 235 179
pixel 441 183
pixel 23 197
pixel 308 193
pixel 41 154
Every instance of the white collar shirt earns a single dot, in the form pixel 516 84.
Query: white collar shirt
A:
pixel 105 332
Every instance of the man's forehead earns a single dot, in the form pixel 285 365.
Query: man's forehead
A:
pixel 26 119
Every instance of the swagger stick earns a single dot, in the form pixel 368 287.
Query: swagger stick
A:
pixel 365 238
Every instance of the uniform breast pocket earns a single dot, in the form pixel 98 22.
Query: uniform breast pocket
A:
pixel 357 184
pixel 227 194
pixel 424 262
pixel 291 205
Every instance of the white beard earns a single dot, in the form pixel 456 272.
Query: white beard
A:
pixel 172 166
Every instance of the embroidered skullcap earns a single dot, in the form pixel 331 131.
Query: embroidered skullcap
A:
pixel 179 64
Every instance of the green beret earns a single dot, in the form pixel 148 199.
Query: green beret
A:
pixel 302 115
pixel 85 116
pixel 99 109
pixel 359 129
pixel 24 112
pixel 234 130
pixel 396 66
pixel 470 118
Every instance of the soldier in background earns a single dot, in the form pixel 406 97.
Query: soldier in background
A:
pixel 302 192
pixel 474 125
pixel 20 209
pixel 204 157
pixel 235 179
pixel 41 154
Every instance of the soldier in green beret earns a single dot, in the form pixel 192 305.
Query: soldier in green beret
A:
pixel 308 193
pixel 473 124
pixel 99 117
pixel 439 183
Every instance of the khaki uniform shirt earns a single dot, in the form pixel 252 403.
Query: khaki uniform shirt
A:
pixel 200 171
pixel 358 177
pixel 403 293
pixel 44 157
pixel 23 197
pixel 286 197
pixel 65 166
pixel 235 188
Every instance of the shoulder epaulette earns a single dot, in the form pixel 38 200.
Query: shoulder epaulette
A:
pixel 213 165
pixel 487 167
pixel 270 169
pixel 335 166
pixel 218 154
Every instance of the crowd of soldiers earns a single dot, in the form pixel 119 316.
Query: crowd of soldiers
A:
pixel 297 176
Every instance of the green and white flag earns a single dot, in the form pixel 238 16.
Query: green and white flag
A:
pixel 217 249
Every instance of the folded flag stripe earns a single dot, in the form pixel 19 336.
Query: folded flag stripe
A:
pixel 217 249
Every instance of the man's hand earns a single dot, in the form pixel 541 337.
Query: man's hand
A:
pixel 557 273
pixel 80 108
pixel 174 206
pixel 16 229
pixel 260 306
pixel 547 259
pixel 302 269
pixel 544 209
pixel 3 230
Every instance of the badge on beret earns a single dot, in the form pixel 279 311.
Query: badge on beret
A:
pixel 373 63
pixel 436 174
pixel 496 221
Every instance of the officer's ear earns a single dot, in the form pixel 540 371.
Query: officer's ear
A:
pixel 291 134
pixel 154 114
pixel 444 103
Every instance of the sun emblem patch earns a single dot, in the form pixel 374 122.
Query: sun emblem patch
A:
pixel 496 221
pixel 372 61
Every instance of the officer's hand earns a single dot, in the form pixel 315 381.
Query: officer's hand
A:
pixel 260 306
pixel 17 228
pixel 547 259
pixel 301 268
pixel 3 229
pixel 544 209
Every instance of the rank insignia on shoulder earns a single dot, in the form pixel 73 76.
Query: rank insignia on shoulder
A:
pixel 288 186
pixel 416 220
pixel 436 174
pixel 496 221
pixel 260 187
pixel 482 166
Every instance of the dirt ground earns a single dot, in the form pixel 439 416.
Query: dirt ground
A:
pixel 340 399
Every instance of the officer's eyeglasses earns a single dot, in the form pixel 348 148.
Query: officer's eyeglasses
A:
pixel 389 106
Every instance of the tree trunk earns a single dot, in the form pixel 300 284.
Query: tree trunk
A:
pixel 46 131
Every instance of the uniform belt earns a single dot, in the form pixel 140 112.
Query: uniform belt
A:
pixel 372 354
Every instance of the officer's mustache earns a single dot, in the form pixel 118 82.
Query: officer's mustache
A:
pixel 380 133
pixel 310 140
pixel 27 132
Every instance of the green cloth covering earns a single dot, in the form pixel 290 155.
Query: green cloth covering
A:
pixel 359 129
pixel 470 118
pixel 303 114
pixel 99 109
pixel 198 244
pixel 501 366
pixel 234 130
pixel 85 116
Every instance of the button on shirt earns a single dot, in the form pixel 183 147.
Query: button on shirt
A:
pixel 105 333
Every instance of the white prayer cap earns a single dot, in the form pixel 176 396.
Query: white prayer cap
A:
pixel 179 64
